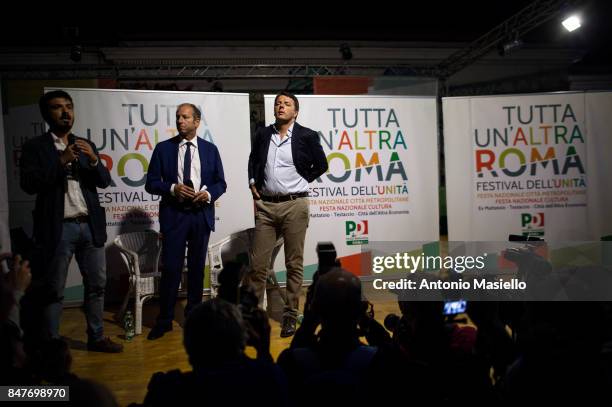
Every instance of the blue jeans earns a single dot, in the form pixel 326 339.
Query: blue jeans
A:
pixel 77 240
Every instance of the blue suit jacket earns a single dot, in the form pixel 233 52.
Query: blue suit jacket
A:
pixel 163 172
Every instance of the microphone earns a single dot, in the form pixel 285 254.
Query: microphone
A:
pixel 75 163
pixel 71 140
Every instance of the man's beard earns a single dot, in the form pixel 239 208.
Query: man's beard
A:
pixel 61 126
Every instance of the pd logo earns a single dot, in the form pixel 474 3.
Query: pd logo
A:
pixel 356 233
pixel 532 224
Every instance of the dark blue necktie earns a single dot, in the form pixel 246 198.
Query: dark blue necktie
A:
pixel 187 164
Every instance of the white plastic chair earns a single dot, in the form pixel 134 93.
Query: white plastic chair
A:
pixel 140 252
pixel 233 246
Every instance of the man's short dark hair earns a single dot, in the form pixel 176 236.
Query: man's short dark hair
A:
pixel 43 102
pixel 289 95
pixel 214 333
pixel 337 298
pixel 197 114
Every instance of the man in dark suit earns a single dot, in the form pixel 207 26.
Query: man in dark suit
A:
pixel 64 170
pixel 188 174
pixel 285 157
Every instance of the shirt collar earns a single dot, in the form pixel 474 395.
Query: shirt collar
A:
pixel 56 139
pixel 194 142
pixel 289 131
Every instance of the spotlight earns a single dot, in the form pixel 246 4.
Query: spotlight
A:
pixel 571 23
pixel 346 52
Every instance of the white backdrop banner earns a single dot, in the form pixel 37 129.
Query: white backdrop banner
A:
pixel 531 165
pixel 125 127
pixel 382 183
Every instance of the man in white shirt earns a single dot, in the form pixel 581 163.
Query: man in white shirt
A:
pixel 64 171
pixel 284 159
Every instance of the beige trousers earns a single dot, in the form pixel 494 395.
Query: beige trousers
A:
pixel 272 220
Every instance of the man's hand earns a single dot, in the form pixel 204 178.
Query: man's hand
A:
pixel 84 146
pixel 70 154
pixel 183 191
pixel 256 195
pixel 20 275
pixel 202 196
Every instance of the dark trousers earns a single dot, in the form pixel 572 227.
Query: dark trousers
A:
pixel 188 229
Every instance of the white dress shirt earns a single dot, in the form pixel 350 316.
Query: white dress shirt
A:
pixel 281 176
pixel 74 201
pixel 196 168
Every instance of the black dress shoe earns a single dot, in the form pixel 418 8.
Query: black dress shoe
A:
pixel 288 327
pixel 158 331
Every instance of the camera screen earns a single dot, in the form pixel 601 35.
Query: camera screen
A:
pixel 454 307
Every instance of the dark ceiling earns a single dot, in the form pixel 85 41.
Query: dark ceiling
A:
pixel 294 21
pixel 413 21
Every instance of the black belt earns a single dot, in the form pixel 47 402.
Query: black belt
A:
pixel 78 219
pixel 284 198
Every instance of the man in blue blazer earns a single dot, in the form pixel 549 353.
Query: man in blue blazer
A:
pixel 64 172
pixel 188 174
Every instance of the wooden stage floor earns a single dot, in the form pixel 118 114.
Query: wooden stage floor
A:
pixel 127 374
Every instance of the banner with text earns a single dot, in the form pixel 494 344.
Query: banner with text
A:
pixel 125 127
pixel 530 165
pixel 382 182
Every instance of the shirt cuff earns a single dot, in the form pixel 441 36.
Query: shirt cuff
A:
pixel 94 164
pixel 172 189
pixel 252 181
pixel 205 188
